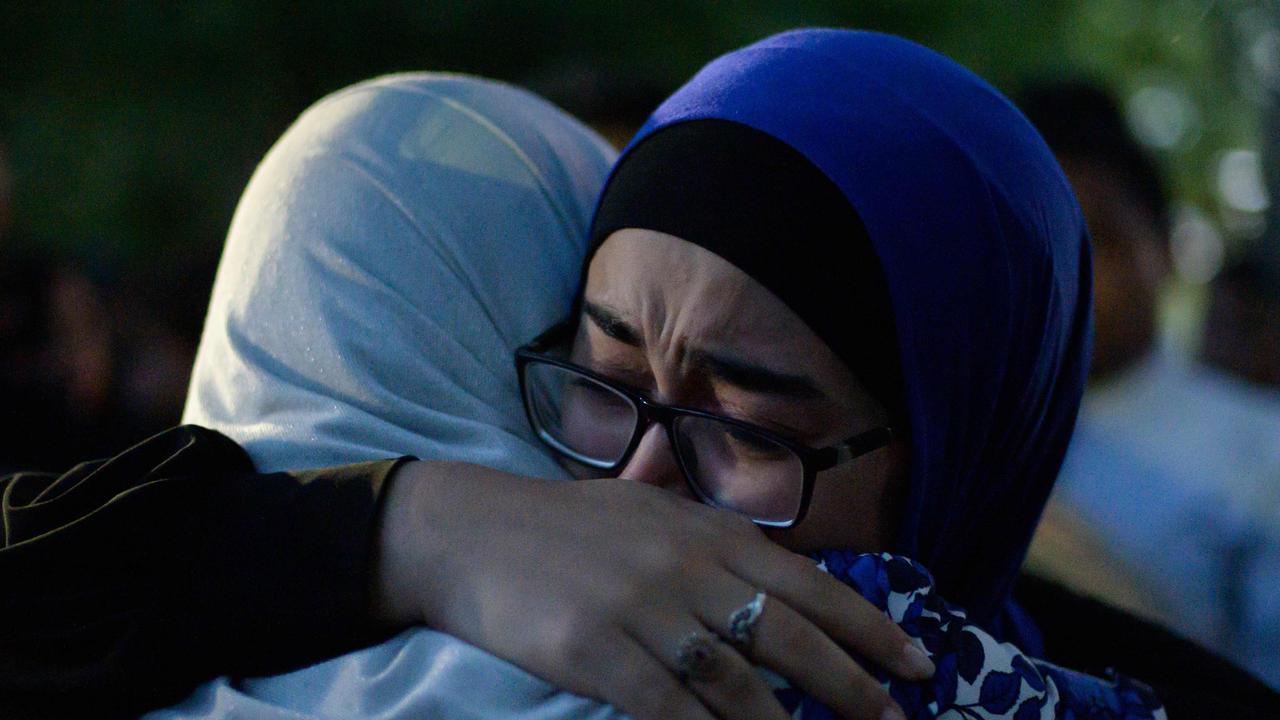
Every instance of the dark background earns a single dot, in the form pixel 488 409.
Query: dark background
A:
pixel 130 128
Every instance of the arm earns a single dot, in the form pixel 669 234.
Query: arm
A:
pixel 129 581
pixel 125 582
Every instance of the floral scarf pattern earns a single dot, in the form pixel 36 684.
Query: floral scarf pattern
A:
pixel 977 678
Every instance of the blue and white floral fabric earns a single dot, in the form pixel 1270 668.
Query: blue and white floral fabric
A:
pixel 977 677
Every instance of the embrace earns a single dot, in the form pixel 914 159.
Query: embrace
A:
pixel 810 349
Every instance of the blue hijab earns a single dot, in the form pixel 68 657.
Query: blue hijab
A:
pixel 986 257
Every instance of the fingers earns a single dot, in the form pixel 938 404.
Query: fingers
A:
pixel 643 687
pixel 794 647
pixel 724 682
pixel 836 609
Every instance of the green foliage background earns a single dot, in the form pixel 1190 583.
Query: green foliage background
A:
pixel 133 126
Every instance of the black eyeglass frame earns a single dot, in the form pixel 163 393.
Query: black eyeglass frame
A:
pixel 812 460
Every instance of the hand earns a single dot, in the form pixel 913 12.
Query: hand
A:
pixel 592 585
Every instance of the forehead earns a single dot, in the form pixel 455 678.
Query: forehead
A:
pixel 685 304
pixel 654 280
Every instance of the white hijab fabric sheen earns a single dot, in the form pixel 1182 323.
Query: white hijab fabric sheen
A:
pixel 389 254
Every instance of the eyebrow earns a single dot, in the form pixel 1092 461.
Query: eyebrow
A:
pixel 757 378
pixel 611 324
pixel 743 374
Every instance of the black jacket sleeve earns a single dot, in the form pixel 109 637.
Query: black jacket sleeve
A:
pixel 1193 683
pixel 126 582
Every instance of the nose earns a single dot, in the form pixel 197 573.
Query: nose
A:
pixel 655 463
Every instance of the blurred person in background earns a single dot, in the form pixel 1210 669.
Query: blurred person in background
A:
pixel 57 350
pixel 88 367
pixel 90 364
pixel 1174 465
pixel 1242 325
pixel 55 355
pixel 159 310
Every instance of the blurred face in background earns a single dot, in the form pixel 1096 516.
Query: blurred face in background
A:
pixel 56 364
pixel 1242 324
pixel 1130 264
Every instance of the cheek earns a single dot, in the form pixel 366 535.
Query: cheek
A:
pixel 856 506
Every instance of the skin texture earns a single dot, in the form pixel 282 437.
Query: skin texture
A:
pixel 593 584
pixel 674 302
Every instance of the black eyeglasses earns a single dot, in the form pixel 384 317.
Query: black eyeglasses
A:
pixel 727 463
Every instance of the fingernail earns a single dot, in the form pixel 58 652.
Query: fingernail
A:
pixel 916 661
pixel 893 712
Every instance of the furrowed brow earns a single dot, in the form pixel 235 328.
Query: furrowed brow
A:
pixel 611 324
pixel 756 378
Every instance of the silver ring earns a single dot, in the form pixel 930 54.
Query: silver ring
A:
pixel 698 658
pixel 742 623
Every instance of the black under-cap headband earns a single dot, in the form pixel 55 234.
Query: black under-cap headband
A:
pixel 761 205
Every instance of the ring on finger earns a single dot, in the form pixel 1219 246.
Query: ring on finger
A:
pixel 698 658
pixel 742 622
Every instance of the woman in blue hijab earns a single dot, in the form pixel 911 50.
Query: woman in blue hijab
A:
pixel 838 241
pixel 982 247
pixel 836 264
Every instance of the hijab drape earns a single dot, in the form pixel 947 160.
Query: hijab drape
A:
pixel 388 256
pixel 986 258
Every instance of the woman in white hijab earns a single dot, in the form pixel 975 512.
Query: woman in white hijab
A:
pixel 391 252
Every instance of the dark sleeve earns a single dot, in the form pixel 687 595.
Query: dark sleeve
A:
pixel 126 582
pixel 1192 682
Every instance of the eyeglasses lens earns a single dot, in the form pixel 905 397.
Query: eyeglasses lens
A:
pixel 741 470
pixel 582 418
pixel 728 465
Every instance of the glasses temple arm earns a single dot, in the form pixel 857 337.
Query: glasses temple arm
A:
pixel 864 443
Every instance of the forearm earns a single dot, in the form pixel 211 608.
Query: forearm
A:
pixel 124 583
pixel 282 568
pixel 434 516
pixel 131 581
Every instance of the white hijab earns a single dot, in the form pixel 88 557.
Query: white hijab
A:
pixel 388 256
